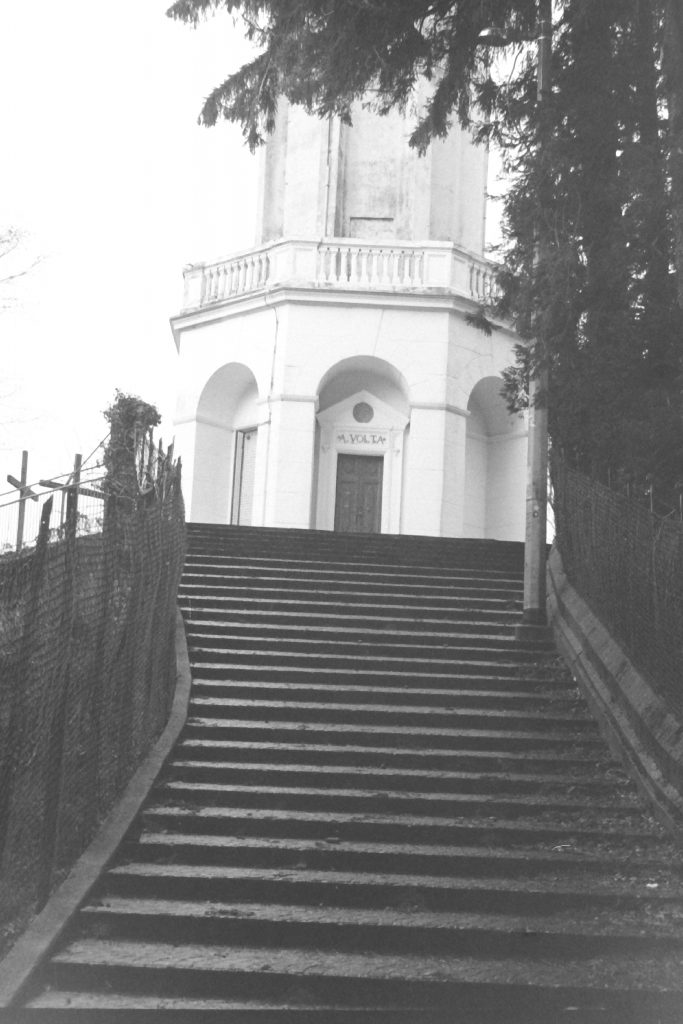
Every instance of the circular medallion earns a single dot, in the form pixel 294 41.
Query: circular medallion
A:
pixel 362 412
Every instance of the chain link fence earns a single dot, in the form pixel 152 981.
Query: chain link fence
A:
pixel 627 564
pixel 21 507
pixel 87 676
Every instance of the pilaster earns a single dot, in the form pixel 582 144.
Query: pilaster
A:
pixel 289 461
pixel 435 471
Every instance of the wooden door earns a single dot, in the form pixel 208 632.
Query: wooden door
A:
pixel 358 504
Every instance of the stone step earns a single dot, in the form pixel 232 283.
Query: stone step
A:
pixel 494 737
pixel 531 887
pixel 352 586
pixel 321 850
pixel 378 548
pixel 317 563
pixel 502 628
pixel 582 764
pixel 576 831
pixel 455 610
pixel 207 567
pixel 392 930
pixel 484 1004
pixel 402 556
pixel 363 589
pixel 415 802
pixel 407 648
pixel 539 681
pixel 367 978
pixel 363 564
pixel 459 665
pixel 544 786
pixel 450 696
pixel 477 678
pixel 301 630
pixel 321 544
pixel 378 595
pixel 465 617
pixel 432 716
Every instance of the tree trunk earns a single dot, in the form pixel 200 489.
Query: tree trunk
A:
pixel 673 73
pixel 654 228
pixel 597 142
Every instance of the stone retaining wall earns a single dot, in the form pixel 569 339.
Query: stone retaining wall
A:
pixel 638 725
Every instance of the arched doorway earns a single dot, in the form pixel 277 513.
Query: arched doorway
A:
pixel 495 465
pixel 363 413
pixel 226 447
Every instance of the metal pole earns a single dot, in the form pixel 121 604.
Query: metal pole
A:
pixel 72 498
pixel 537 451
pixel 23 497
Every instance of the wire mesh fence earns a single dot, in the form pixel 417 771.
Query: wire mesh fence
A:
pixel 21 515
pixel 87 611
pixel 627 564
pixel 21 507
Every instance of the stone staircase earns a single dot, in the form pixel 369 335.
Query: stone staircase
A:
pixel 382 807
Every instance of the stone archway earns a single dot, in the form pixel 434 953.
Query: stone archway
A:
pixel 495 466
pixel 363 413
pixel 226 440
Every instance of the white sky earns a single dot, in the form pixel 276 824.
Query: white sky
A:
pixel 117 187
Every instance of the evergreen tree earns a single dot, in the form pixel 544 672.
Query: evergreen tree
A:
pixel 603 298
pixel 326 55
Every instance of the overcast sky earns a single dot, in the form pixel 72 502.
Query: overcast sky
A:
pixel 116 188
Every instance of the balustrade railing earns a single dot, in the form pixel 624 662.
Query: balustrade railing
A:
pixel 342 263
pixel 370 266
pixel 234 277
pixel 482 280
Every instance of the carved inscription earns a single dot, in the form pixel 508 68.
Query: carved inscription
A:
pixel 364 438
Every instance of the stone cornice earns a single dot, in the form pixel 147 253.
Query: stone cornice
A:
pixel 441 407
pixel 432 300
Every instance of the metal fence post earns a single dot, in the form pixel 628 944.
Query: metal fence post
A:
pixel 72 499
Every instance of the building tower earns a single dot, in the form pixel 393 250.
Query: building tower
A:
pixel 330 379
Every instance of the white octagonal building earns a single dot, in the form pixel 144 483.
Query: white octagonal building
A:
pixel 329 378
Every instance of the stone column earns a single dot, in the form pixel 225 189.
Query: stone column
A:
pixel 455 442
pixel 435 471
pixel 289 468
pixel 258 509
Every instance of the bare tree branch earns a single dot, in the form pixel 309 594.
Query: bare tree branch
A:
pixel 14 264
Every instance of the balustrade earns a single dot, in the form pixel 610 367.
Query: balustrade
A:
pixel 234 277
pixel 370 266
pixel 342 264
pixel 483 286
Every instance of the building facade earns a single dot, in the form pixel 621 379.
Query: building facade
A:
pixel 328 376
